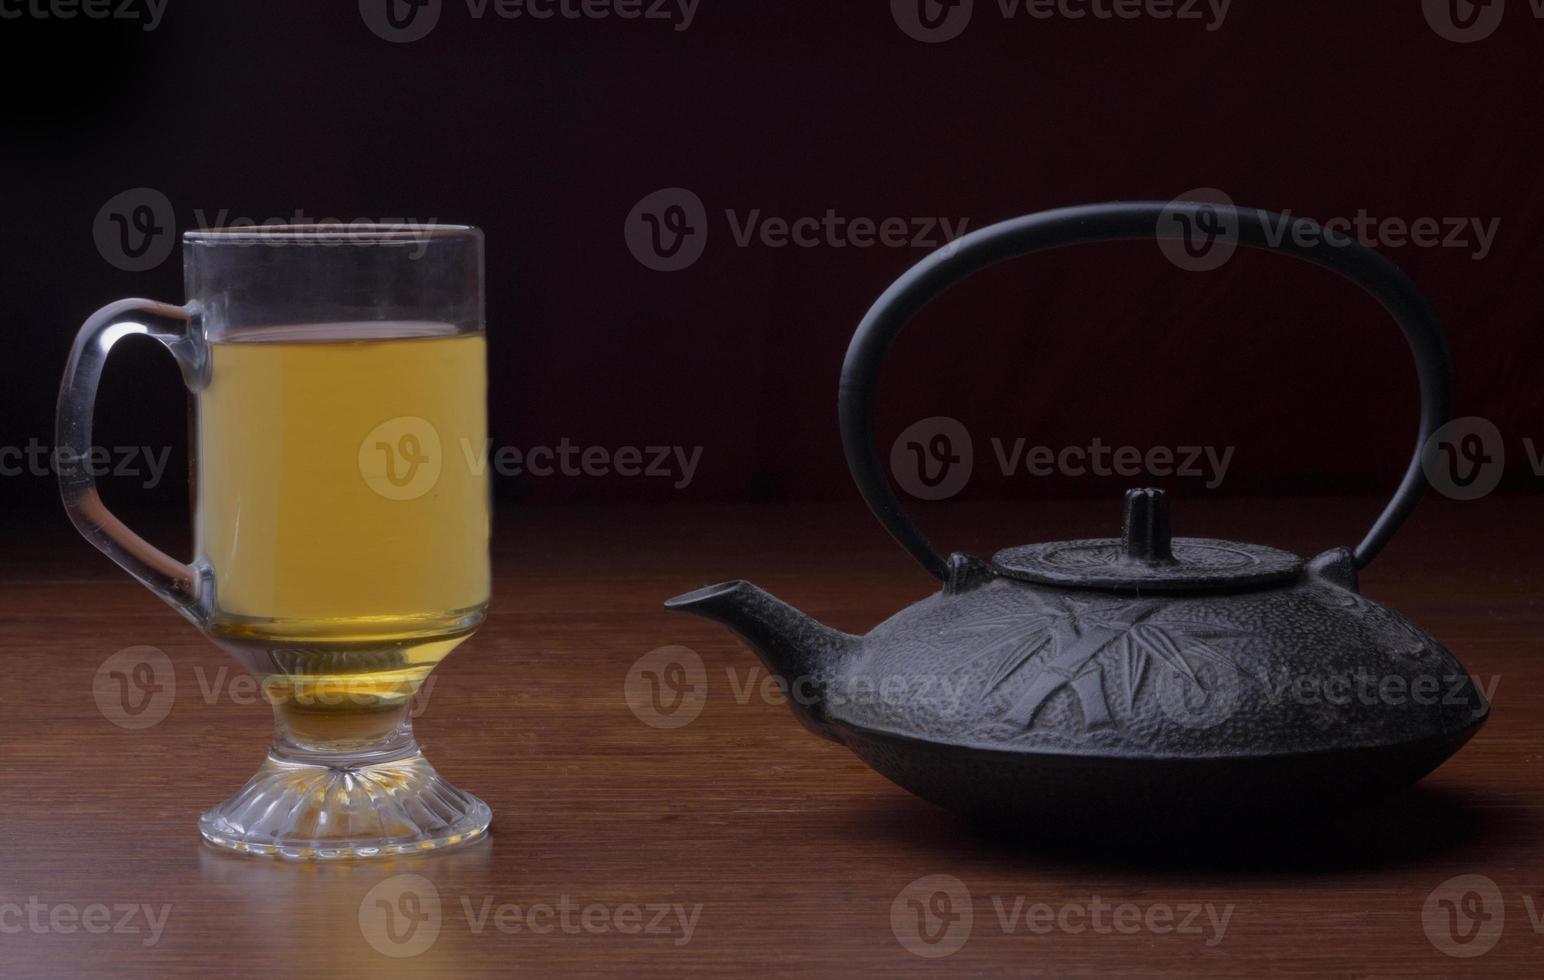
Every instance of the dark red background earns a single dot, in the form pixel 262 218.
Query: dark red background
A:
pixel 547 133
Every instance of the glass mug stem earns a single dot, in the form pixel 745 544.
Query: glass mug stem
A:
pixel 341 541
pixel 305 737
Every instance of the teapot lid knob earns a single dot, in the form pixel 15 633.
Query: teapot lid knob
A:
pixel 1145 558
pixel 1145 535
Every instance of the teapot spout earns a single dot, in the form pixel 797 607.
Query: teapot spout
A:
pixel 801 652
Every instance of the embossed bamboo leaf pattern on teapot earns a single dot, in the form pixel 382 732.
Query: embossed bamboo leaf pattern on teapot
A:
pixel 1071 641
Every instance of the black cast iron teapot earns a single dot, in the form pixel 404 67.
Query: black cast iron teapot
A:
pixel 1137 677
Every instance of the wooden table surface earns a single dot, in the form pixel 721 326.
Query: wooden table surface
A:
pixel 735 841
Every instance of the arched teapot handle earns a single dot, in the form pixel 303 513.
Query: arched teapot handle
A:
pixel 1125 221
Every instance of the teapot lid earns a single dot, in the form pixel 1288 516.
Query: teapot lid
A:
pixel 1145 558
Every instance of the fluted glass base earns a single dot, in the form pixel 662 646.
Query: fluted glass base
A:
pixel 308 810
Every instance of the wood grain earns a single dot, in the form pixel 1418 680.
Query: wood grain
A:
pixel 794 851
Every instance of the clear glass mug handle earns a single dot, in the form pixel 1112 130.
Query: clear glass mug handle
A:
pixel 176 327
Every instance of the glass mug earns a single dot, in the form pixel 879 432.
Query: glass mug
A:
pixel 341 525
